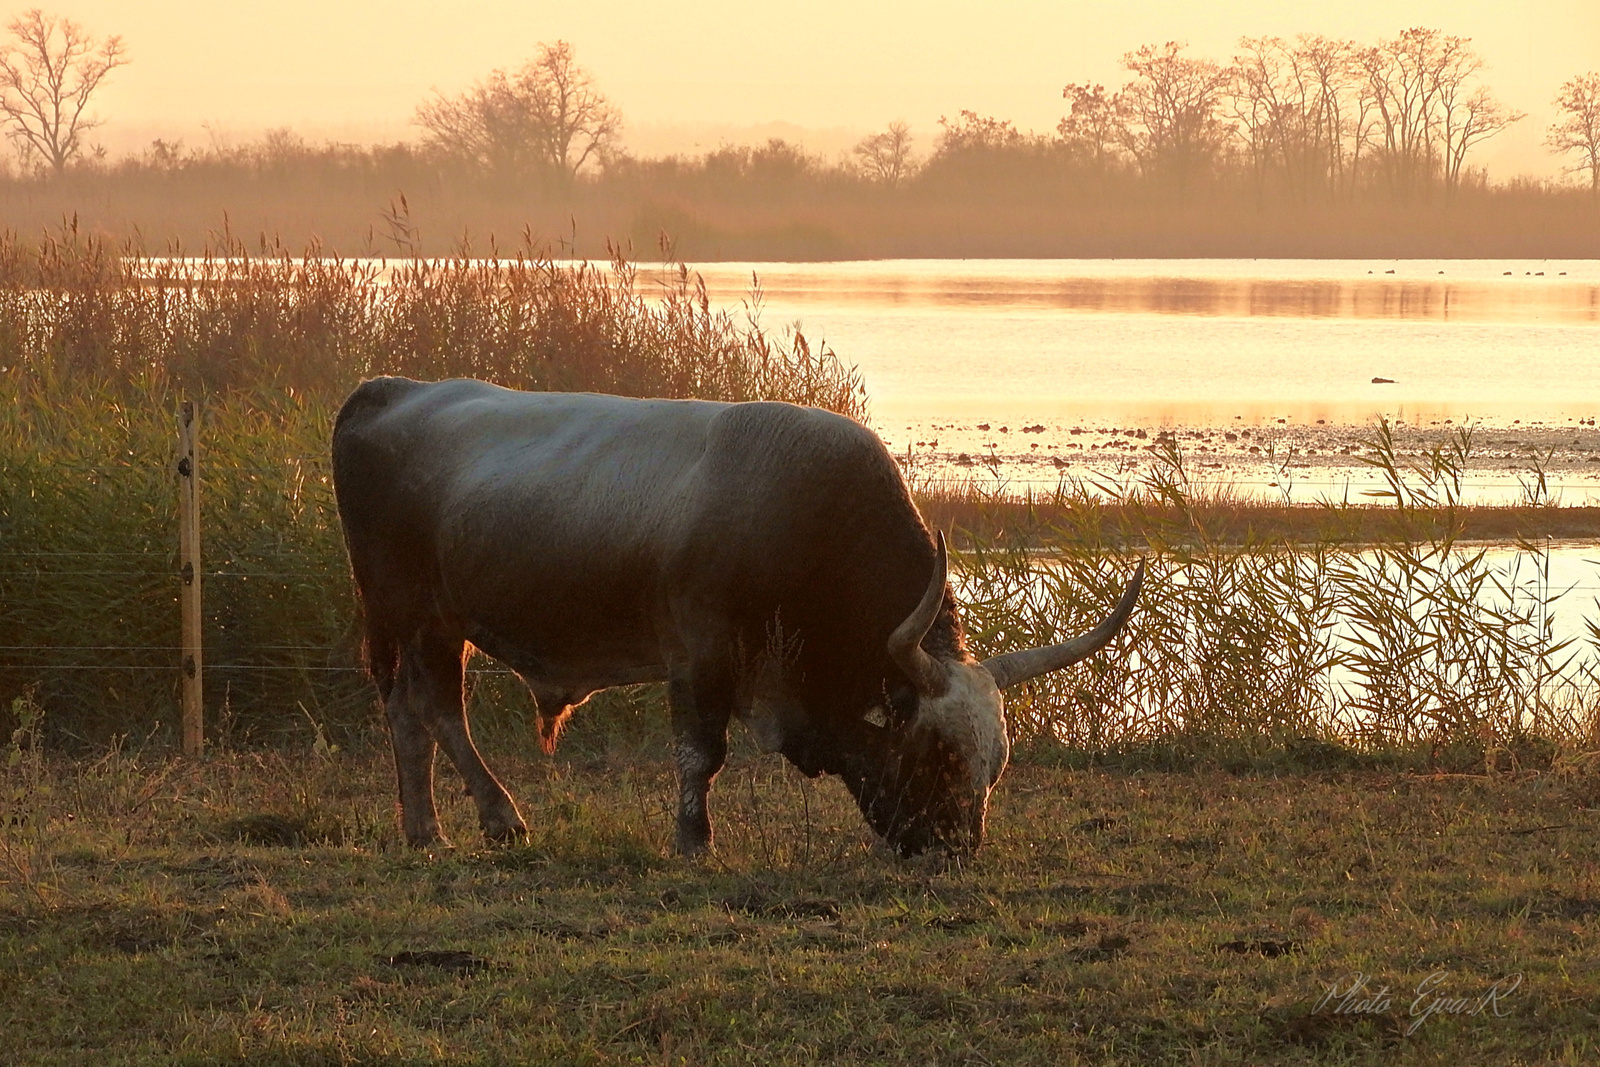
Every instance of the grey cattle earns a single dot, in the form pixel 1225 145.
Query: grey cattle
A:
pixel 764 560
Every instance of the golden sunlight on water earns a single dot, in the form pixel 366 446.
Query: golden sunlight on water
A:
pixel 1051 367
pixel 1173 342
pixel 1445 290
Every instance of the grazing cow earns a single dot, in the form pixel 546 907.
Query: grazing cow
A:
pixel 764 560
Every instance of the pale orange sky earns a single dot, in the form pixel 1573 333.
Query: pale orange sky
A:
pixel 690 72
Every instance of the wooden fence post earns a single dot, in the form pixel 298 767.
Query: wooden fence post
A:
pixel 189 602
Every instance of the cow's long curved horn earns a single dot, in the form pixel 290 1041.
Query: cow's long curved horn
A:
pixel 905 644
pixel 1015 667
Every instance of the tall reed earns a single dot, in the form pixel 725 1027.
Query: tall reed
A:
pixel 73 309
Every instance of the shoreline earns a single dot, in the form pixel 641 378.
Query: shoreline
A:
pixel 1244 523
pixel 1271 464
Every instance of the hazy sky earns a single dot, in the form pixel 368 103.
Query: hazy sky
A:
pixel 692 71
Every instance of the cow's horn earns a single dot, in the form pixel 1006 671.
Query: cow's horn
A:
pixel 1015 667
pixel 905 644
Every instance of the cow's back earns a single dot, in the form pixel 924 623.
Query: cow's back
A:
pixel 572 534
pixel 523 520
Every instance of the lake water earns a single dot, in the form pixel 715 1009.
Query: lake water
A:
pixel 1035 370
pixel 960 357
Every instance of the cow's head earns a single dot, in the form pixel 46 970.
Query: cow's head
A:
pixel 941 745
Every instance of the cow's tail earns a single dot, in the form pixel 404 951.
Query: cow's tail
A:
pixel 380 647
pixel 381 652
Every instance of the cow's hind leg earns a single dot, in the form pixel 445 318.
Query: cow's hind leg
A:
pixel 702 698
pixel 440 668
pixel 414 749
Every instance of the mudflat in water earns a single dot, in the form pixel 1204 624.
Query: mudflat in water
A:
pixel 1265 372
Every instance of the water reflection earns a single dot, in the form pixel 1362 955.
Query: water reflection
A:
pixel 1465 291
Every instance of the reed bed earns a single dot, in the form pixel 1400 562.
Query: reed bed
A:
pixel 1383 629
pixel 96 351
pixel 1415 640
pixel 229 320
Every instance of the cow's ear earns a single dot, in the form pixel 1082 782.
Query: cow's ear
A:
pixel 899 703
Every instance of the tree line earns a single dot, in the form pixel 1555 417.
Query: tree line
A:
pixel 1314 116
pixel 1293 131
pixel 1309 118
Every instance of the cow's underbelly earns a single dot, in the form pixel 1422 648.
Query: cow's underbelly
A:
pixel 570 645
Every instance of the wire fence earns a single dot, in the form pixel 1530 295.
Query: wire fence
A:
pixel 127 676
pixel 92 629
pixel 92 571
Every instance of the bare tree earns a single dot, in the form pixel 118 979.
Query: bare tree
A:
pixel 49 71
pixel 1404 100
pixel 1174 105
pixel 1268 100
pixel 886 157
pixel 972 133
pixel 1344 105
pixel 1578 131
pixel 1468 114
pixel 1092 129
pixel 489 126
pixel 1301 112
pixel 546 117
pixel 1467 118
pixel 1428 111
pixel 976 151
pixel 579 121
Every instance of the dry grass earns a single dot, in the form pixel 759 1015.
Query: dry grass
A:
pixel 78 313
pixel 1412 638
pixel 258 908
pixel 966 507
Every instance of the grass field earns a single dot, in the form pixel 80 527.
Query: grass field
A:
pixel 259 908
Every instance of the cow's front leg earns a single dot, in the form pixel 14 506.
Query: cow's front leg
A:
pixel 701 696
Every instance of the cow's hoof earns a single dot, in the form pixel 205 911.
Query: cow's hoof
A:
pixel 421 830
pixel 696 848
pixel 434 842
pixel 505 833
pixel 501 822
